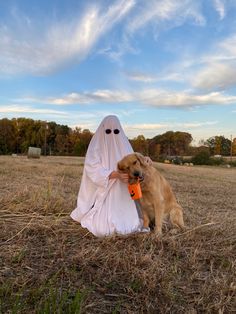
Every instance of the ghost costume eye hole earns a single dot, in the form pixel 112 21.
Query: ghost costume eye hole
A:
pixel 116 131
pixel 108 131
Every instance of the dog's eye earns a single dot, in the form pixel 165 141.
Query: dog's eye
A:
pixel 134 163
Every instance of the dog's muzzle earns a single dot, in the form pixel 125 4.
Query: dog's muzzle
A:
pixel 141 178
pixel 138 176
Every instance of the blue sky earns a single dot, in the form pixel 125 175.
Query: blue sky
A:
pixel 158 65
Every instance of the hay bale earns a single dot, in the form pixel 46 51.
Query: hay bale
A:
pixel 14 155
pixel 34 152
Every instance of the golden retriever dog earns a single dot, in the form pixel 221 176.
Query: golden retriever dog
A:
pixel 158 199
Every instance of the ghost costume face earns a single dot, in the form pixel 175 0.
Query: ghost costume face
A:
pixel 104 206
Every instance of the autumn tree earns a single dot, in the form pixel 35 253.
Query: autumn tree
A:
pixel 140 144
pixel 83 143
pixel 234 147
pixel 61 140
pixel 219 145
pixel 7 136
pixel 74 139
pixel 17 135
pixel 170 143
pixel 28 132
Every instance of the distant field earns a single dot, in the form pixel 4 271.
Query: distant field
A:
pixel 49 264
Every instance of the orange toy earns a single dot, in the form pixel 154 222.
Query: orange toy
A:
pixel 135 191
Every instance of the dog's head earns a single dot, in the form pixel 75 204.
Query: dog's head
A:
pixel 133 164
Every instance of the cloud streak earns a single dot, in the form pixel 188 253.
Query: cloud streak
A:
pixel 16 108
pixel 163 11
pixel 159 15
pixel 157 126
pixel 43 52
pixel 141 77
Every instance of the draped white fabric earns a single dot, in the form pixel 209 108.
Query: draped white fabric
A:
pixel 104 206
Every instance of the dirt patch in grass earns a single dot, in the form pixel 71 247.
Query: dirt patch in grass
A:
pixel 49 264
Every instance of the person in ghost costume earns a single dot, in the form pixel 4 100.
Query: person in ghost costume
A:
pixel 104 205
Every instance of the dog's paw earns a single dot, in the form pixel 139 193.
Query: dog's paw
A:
pixel 158 233
pixel 147 229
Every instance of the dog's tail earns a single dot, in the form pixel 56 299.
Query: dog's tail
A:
pixel 176 216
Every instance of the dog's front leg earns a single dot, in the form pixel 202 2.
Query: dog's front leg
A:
pixel 146 220
pixel 159 212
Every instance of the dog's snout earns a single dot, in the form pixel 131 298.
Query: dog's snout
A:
pixel 136 173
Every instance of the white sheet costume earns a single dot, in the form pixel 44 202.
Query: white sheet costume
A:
pixel 104 206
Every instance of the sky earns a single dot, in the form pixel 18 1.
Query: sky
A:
pixel 159 65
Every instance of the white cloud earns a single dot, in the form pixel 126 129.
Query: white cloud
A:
pixel 160 15
pixel 228 48
pixel 193 125
pixel 211 71
pixel 150 97
pixel 110 96
pixel 220 8
pixel 147 126
pixel 174 76
pixel 151 130
pixel 105 96
pixel 157 126
pixel 141 77
pixel 31 51
pixel 166 98
pixel 98 96
pixel 150 78
pixel 175 12
pixel 16 108
pixel 72 98
pixel 216 76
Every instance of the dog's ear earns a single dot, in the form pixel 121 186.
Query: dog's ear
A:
pixel 119 166
pixel 141 159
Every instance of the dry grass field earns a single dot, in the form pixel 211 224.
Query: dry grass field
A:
pixel 49 264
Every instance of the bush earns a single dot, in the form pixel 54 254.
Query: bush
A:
pixel 201 158
pixel 232 163
pixel 204 158
pixel 216 161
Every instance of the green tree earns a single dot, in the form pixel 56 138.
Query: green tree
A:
pixel 219 145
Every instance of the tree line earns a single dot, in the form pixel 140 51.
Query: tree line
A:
pixel 17 134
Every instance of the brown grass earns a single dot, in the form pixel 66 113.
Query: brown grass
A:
pixel 45 256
